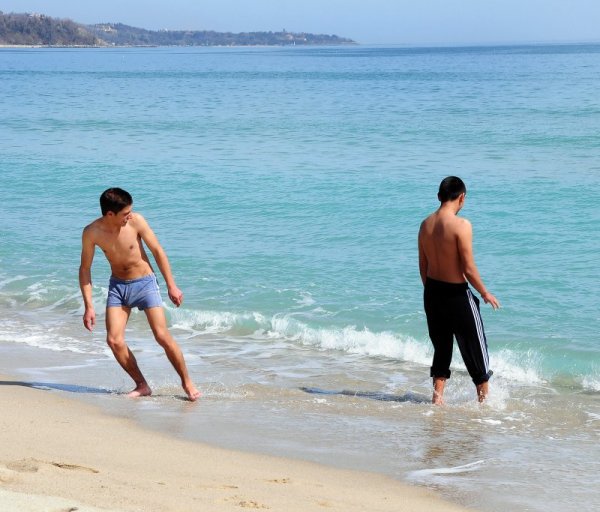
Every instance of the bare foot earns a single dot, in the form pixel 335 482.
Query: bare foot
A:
pixel 140 390
pixel 191 391
pixel 437 399
pixel 438 390
pixel 482 391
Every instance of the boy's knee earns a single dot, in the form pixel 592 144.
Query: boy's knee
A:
pixel 163 338
pixel 115 341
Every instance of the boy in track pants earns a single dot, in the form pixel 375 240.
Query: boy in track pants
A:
pixel 447 267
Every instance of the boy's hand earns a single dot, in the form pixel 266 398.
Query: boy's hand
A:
pixel 488 298
pixel 89 319
pixel 176 296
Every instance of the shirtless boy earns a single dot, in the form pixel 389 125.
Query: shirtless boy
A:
pixel 447 267
pixel 120 233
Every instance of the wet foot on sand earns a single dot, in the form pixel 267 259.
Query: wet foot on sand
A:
pixel 140 390
pixel 437 400
pixel 192 392
pixel 482 392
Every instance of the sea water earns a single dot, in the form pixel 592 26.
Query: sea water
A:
pixel 287 186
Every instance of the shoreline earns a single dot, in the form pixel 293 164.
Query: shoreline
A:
pixel 62 451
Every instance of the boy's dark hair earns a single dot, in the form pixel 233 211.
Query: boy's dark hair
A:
pixel 114 200
pixel 450 188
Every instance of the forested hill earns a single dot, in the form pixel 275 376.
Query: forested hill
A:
pixel 119 34
pixel 38 29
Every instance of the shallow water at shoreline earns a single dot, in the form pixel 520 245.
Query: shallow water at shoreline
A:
pixel 370 414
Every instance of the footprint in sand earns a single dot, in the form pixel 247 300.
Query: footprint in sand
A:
pixel 7 475
pixel 251 504
pixel 225 487
pixel 280 481
pixel 33 465
pixel 73 467
pixel 24 465
pixel 246 503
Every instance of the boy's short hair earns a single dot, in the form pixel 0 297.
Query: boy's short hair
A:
pixel 450 188
pixel 114 200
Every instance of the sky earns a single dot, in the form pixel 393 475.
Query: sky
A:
pixel 411 22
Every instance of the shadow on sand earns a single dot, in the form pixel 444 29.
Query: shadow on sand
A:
pixel 372 395
pixel 71 388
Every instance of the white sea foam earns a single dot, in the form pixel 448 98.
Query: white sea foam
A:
pixel 487 421
pixel 519 367
pixel 213 322
pixel 37 292
pixel 508 366
pixel 593 416
pixel 591 383
pixel 305 299
pixel 40 337
pixel 465 468
pixel 351 340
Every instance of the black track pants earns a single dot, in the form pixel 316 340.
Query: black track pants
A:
pixel 453 311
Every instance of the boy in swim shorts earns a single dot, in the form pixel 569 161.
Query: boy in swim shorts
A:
pixel 141 293
pixel 121 234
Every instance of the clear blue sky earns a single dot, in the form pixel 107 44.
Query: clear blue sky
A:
pixel 366 21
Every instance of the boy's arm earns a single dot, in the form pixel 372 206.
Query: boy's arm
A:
pixel 85 279
pixel 465 251
pixel 151 241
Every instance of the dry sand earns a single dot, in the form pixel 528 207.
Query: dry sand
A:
pixel 59 454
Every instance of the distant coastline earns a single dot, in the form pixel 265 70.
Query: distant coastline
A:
pixel 38 30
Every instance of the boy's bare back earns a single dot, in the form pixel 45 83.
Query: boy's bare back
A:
pixel 441 238
pixel 446 249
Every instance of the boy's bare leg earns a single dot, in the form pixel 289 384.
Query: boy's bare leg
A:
pixel 158 324
pixel 482 391
pixel 116 320
pixel 438 390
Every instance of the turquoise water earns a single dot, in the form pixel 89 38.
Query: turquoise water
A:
pixel 287 186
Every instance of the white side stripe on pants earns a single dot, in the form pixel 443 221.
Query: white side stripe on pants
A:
pixel 479 326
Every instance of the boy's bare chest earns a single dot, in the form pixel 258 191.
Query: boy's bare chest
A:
pixel 123 246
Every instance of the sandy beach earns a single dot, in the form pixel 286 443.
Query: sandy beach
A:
pixel 59 454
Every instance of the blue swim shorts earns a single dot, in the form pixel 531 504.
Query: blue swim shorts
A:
pixel 141 293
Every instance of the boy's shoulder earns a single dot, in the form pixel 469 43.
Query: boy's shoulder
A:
pixel 138 222
pixel 93 226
